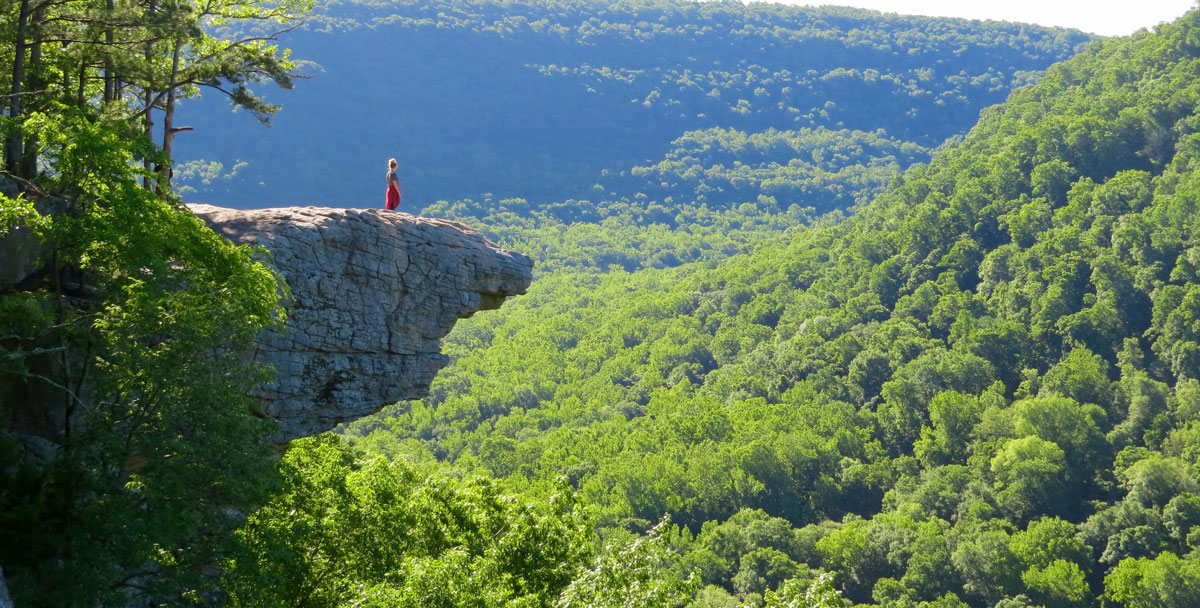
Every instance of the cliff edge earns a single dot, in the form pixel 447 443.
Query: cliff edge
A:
pixel 372 294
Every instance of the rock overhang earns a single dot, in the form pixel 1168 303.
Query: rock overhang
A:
pixel 372 294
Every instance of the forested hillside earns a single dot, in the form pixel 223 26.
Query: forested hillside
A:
pixel 979 387
pixel 982 389
pixel 563 101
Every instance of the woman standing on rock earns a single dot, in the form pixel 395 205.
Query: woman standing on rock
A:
pixel 393 187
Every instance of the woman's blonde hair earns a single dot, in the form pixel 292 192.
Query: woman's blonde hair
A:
pixel 391 163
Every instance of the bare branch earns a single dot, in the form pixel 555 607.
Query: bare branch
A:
pixel 41 92
pixel 60 387
pixel 29 186
pixel 34 352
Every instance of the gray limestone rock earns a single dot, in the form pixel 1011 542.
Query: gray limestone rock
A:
pixel 5 600
pixel 21 251
pixel 372 294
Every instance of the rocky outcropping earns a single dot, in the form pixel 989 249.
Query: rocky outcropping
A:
pixel 21 249
pixel 372 293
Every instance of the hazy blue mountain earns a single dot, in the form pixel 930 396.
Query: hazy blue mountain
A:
pixel 537 98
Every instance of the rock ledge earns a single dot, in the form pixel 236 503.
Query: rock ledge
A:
pixel 373 293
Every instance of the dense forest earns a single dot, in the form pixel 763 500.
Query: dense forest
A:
pixel 981 389
pixel 771 358
pixel 551 100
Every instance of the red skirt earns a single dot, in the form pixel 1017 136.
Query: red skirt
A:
pixel 393 198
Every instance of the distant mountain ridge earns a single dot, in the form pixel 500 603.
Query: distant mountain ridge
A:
pixel 538 99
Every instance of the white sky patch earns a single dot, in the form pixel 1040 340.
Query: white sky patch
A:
pixel 1105 17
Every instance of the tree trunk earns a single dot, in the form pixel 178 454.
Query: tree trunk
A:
pixel 36 83
pixel 66 79
pixel 110 81
pixel 81 85
pixel 149 100
pixel 169 120
pixel 12 144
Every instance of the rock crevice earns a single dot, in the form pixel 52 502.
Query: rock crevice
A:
pixel 372 294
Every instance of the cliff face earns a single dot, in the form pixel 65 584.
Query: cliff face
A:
pixel 373 292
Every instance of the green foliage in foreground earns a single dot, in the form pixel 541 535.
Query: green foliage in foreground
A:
pixel 983 389
pixel 128 437
pixel 351 529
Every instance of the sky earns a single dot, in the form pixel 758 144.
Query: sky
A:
pixel 1105 17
